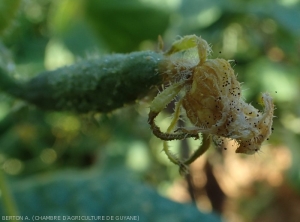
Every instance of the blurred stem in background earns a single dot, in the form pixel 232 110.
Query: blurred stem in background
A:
pixel 7 197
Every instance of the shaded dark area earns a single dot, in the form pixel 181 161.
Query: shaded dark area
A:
pixel 213 190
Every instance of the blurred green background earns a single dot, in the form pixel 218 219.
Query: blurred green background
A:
pixel 57 152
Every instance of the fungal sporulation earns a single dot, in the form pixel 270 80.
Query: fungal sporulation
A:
pixel 212 100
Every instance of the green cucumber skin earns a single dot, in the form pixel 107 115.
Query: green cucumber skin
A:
pixel 101 84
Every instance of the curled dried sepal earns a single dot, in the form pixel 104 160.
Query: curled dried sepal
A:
pixel 260 127
pixel 212 98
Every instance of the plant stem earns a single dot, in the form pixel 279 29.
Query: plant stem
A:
pixel 206 141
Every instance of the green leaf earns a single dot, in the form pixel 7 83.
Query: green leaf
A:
pixel 92 194
pixel 124 24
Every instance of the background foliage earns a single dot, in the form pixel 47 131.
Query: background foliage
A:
pixel 48 150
